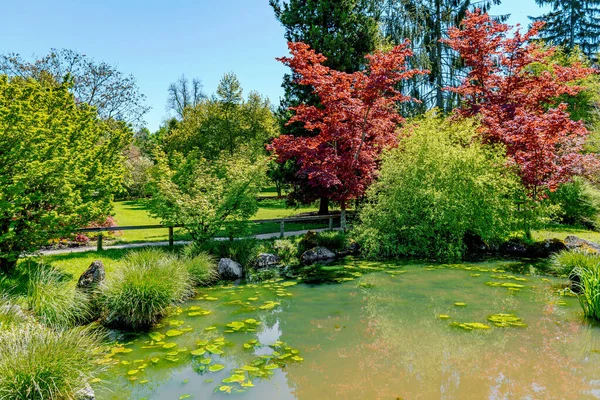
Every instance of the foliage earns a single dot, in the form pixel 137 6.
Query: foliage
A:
pixel 425 23
pixel 202 268
pixel 567 261
pixel 355 121
pixel 244 251
pixel 572 23
pixel 438 186
pixel 137 175
pixel 511 97
pixel 37 362
pixel 224 122
pixel 204 195
pixel 333 240
pixel 589 289
pixel 287 251
pixel 137 295
pixel 115 95
pixel 59 165
pixel 53 301
pixel 578 202
pixel 10 313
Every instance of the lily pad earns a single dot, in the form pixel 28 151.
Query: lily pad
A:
pixel 173 332
pixel 216 367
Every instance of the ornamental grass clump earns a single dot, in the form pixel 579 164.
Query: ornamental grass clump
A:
pixel 140 293
pixel 589 290
pixel 37 362
pixel 202 268
pixel 566 261
pixel 53 301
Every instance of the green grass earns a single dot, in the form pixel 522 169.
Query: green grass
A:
pixel 562 231
pixel 37 362
pixel 139 294
pixel 589 286
pixel 565 262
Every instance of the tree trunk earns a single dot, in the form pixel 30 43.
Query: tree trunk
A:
pixel 439 97
pixel 343 216
pixel 324 206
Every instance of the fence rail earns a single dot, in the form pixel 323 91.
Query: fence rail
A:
pixel 281 221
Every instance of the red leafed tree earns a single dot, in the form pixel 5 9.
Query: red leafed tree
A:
pixel 514 98
pixel 355 121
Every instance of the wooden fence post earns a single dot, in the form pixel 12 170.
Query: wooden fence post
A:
pixel 99 243
pixel 281 229
pixel 330 223
pixel 171 237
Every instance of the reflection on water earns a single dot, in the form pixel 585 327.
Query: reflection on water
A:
pixel 382 339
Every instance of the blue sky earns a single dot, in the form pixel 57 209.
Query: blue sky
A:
pixel 157 41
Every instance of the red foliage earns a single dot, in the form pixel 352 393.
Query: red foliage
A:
pixel 355 121
pixel 514 99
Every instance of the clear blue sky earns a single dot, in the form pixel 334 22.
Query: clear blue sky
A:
pixel 157 41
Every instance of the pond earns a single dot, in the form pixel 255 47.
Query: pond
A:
pixel 394 332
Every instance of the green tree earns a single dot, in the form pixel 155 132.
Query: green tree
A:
pixel 206 195
pixel 59 165
pixel 425 23
pixel 440 185
pixel 344 31
pixel 572 23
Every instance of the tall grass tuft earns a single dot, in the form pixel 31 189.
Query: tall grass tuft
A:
pixel 565 262
pixel 54 301
pixel 140 293
pixel 10 313
pixel 333 240
pixel 202 268
pixel 37 362
pixel 589 290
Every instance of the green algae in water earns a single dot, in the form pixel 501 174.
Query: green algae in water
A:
pixel 506 320
pixel 470 326
pixel 460 304
pixel 443 316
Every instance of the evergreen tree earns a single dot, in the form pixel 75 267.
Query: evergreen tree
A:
pixel 572 23
pixel 344 31
pixel 425 23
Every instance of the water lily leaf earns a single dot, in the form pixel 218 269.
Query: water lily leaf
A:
pixel 172 353
pixel 205 361
pixel 185 396
pixel 144 381
pixel 210 328
pixel 95 380
pixel 132 372
pixel 197 313
pixel 443 316
pixel 460 304
pixel 247 384
pixel 173 332
pixel 201 342
pixel 214 349
pixel 216 367
pixel 297 358
pixel 169 345
pixel 156 336
pixel 176 322
pixel 211 298
pixel 250 368
pixel 271 366
pixel 209 380
pixel 225 388
pixel 155 360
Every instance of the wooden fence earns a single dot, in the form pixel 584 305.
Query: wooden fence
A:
pixel 281 222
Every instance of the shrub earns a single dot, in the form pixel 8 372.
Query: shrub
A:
pixel 440 184
pixel 589 289
pixel 333 240
pixel 287 250
pixel 202 268
pixel 244 251
pixel 53 300
pixel 37 362
pixel 578 203
pixel 566 261
pixel 141 292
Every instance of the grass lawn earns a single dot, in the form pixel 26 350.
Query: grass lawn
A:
pixel 562 231
pixel 133 212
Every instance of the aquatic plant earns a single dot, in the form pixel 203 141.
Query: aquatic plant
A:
pixel 469 326
pixel 37 362
pixel 53 300
pixel 589 290
pixel 140 293
pixel 564 262
pixel 505 320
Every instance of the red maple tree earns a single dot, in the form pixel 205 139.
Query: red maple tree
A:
pixel 515 96
pixel 354 122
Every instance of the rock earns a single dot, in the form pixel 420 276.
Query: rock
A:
pixel 514 247
pixel 573 242
pixel 229 269
pixel 318 254
pixel 266 260
pixel 87 393
pixel 475 244
pixel 92 277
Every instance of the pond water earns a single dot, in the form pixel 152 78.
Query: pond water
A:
pixel 379 336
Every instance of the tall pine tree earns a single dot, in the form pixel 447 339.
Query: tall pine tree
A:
pixel 572 23
pixel 425 23
pixel 344 31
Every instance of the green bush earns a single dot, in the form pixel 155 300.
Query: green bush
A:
pixel 578 203
pixel 37 362
pixel 140 293
pixel 439 185
pixel 333 240
pixel 566 261
pixel 287 250
pixel 244 251
pixel 54 301
pixel 589 289
pixel 202 268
